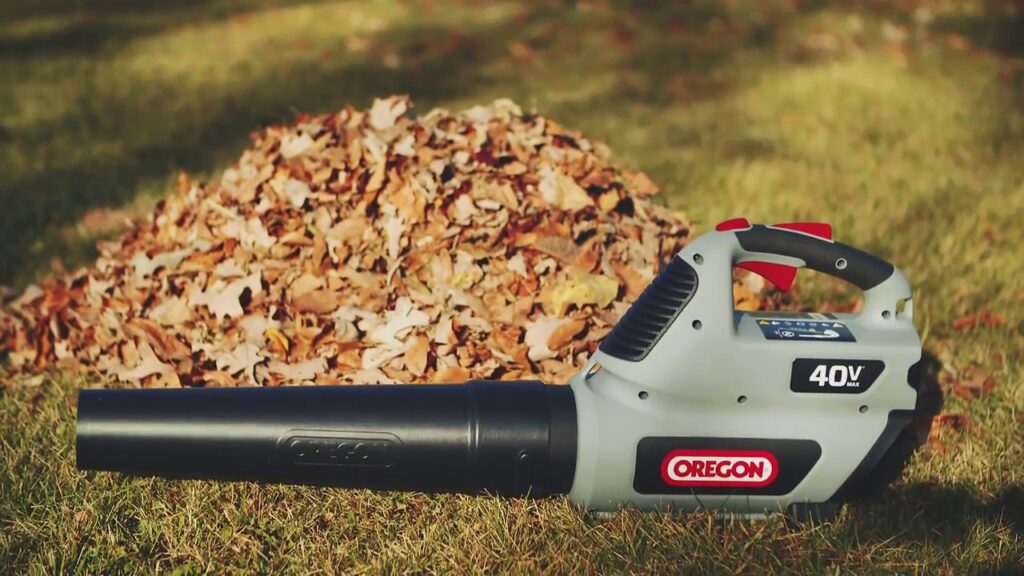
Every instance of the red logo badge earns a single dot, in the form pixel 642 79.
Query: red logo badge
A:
pixel 725 468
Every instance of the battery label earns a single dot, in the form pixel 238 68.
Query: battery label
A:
pixel 818 330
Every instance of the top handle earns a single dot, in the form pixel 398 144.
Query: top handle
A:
pixel 776 251
pixel 857 267
pixel 702 273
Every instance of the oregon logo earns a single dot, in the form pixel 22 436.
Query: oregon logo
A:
pixel 740 468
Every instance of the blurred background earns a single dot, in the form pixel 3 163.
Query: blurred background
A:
pixel 771 108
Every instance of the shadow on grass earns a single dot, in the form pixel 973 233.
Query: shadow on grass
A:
pixel 90 28
pixel 668 54
pixel 994 28
pixel 943 516
pixel 38 201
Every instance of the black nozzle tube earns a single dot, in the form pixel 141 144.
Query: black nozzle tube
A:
pixel 509 438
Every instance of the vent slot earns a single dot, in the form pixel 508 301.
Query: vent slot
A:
pixel 649 317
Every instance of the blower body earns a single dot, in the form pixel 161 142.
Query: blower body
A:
pixel 687 404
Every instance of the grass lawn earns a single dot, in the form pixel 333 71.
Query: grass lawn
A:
pixel 903 127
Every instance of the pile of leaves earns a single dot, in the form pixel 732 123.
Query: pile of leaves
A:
pixel 364 247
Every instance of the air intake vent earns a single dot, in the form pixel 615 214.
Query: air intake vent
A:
pixel 649 317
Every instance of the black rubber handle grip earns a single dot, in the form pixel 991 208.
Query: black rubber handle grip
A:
pixel 833 258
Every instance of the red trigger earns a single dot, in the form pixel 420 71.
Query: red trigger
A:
pixel 779 274
pixel 733 224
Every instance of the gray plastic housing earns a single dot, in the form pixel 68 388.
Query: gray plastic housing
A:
pixel 713 373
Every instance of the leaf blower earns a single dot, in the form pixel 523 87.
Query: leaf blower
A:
pixel 687 404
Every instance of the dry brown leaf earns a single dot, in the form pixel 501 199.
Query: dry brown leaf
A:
pixel 318 302
pixel 538 334
pixel 563 249
pixel 219 379
pixel 564 333
pixel 561 190
pixel 148 365
pixel 166 346
pixel 986 318
pixel 171 312
pixel 745 299
pixel 451 375
pixel 634 282
pixel 974 382
pixel 224 301
pixel 399 321
pixel 305 284
pixel 416 355
pixel 298 371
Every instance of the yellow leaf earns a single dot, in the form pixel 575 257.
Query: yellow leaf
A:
pixel 608 201
pixel 465 279
pixel 583 288
pixel 278 341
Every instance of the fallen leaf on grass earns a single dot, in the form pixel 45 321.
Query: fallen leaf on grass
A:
pixel 81 517
pixel 986 318
pixel 954 421
pixel 974 383
pixel 941 425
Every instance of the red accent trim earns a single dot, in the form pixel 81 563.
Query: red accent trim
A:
pixel 780 275
pixel 733 224
pixel 706 480
pixel 819 229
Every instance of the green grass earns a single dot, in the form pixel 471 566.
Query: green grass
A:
pixel 915 152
